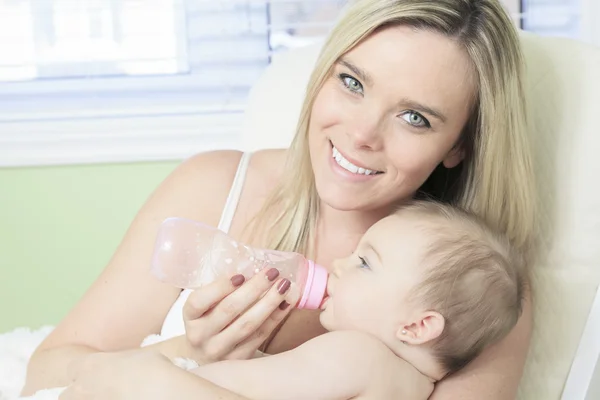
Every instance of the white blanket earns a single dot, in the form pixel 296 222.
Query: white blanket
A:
pixel 15 349
pixel 17 346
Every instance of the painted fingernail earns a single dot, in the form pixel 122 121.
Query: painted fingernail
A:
pixel 272 274
pixel 284 304
pixel 283 286
pixel 237 280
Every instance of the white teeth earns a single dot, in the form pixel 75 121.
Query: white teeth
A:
pixel 347 165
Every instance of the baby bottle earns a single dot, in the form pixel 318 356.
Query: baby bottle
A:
pixel 189 254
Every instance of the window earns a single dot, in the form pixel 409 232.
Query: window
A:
pixel 120 80
pixel 552 17
pixel 106 56
pixel 60 39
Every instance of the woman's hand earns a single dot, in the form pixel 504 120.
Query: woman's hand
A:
pixel 231 318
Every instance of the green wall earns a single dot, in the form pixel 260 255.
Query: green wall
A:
pixel 58 228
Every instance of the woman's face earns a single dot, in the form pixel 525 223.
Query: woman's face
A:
pixel 390 111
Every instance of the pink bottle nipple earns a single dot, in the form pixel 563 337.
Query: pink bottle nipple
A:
pixel 315 288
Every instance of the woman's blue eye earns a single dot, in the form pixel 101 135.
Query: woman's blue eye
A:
pixel 352 84
pixel 415 119
pixel 363 263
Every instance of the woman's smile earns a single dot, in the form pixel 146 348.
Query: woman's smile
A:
pixel 349 168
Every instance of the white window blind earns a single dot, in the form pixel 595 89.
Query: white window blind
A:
pixel 124 80
pixel 130 55
pixel 553 17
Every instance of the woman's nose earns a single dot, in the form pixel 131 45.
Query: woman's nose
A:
pixel 366 130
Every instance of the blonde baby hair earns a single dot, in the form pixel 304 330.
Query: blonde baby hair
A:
pixel 473 276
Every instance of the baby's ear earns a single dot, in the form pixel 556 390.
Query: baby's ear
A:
pixel 427 327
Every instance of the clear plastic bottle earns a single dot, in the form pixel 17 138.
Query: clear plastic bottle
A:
pixel 189 254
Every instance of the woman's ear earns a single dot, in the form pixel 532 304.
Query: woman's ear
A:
pixel 428 327
pixel 454 157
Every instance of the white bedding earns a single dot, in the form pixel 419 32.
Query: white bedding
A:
pixel 15 349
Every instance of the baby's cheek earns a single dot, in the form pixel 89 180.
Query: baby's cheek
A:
pixel 345 313
pixel 325 320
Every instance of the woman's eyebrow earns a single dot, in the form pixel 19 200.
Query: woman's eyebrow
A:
pixel 422 108
pixel 362 74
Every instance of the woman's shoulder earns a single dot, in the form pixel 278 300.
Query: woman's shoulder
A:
pixel 220 167
pixel 264 172
pixel 198 187
pixel 214 172
pixel 222 162
pixel 265 163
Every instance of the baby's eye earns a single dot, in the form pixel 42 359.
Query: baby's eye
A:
pixel 415 119
pixel 351 83
pixel 363 263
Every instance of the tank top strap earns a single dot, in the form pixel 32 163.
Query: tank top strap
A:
pixel 173 324
pixel 235 193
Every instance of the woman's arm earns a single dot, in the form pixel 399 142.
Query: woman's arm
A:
pixel 126 303
pixel 136 374
pixel 496 373
pixel 192 387
pixel 65 361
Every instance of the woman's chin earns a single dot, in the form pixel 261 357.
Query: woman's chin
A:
pixel 337 195
pixel 342 200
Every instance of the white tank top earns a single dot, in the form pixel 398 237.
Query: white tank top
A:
pixel 173 324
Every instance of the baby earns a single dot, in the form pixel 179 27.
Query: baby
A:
pixel 427 289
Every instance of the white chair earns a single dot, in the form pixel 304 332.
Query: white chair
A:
pixel 563 88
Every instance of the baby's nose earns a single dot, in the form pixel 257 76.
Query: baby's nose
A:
pixel 337 268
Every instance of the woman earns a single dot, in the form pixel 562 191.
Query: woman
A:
pixel 409 98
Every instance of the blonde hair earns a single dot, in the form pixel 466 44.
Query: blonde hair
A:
pixel 495 180
pixel 473 277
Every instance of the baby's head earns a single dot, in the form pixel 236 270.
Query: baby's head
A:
pixel 432 282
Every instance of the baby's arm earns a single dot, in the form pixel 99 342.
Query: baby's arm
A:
pixel 336 365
